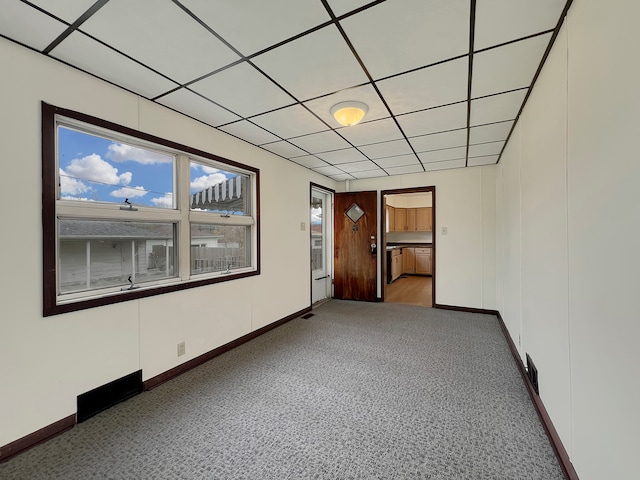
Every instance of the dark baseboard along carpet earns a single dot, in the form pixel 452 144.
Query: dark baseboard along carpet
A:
pixel 358 391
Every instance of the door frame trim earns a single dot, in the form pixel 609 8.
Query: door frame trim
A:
pixel 383 235
pixel 332 193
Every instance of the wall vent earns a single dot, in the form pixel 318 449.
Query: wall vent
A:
pixel 532 373
pixel 95 401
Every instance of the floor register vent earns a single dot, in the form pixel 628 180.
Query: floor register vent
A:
pixel 99 399
pixel 532 373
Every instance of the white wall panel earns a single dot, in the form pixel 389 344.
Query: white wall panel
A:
pixel 604 235
pixel 545 321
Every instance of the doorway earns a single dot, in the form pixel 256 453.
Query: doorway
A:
pixel 321 235
pixel 409 261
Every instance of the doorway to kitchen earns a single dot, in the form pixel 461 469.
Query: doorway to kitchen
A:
pixel 409 260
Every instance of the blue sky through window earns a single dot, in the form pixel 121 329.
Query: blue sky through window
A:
pixel 94 168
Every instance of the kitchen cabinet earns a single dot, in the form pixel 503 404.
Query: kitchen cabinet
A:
pixel 423 261
pixel 423 219
pixel 391 219
pixel 416 260
pixel 400 220
pixel 394 264
pixel 412 219
pixel 408 260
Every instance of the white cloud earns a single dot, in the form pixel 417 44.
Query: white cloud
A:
pixel 71 186
pixel 163 202
pixel 129 192
pixel 200 183
pixel 94 169
pixel 119 152
pixel 204 168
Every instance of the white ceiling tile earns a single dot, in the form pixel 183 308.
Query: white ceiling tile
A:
pixel 328 170
pixel 342 156
pixel 405 169
pixel 249 132
pixel 399 161
pixel 93 57
pixel 316 64
pixel 243 89
pixel 26 25
pixel 168 33
pixel 309 161
pixel 321 142
pixel 340 7
pixel 386 149
pixel 441 155
pixel 365 94
pixel 490 133
pixel 386 35
pixel 438 141
pixel 284 149
pixel 195 106
pixel 435 120
pixel 357 166
pixel 496 108
pixel 483 149
pixel 507 68
pixel 429 167
pixel 372 132
pixel 370 173
pixel 430 87
pixel 499 21
pixel 68 10
pixel 342 176
pixel 486 160
pixel 253 25
pixel 290 122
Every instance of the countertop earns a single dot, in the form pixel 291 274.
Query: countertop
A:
pixel 393 246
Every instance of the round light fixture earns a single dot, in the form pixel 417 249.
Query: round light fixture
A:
pixel 349 113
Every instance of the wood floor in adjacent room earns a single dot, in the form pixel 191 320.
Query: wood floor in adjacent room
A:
pixel 410 290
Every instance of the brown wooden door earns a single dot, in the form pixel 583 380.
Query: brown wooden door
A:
pixel 354 262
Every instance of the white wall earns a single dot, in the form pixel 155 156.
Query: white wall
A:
pixel 465 205
pixel 568 231
pixel 47 362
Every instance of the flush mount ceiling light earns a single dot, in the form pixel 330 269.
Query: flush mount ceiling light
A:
pixel 349 113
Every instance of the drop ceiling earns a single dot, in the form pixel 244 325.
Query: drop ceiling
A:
pixel 444 80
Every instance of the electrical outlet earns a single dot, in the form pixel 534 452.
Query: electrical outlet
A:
pixel 303 226
pixel 182 349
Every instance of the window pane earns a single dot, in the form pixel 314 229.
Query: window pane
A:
pixel 97 169
pixel 219 248
pixel 317 234
pixel 214 190
pixel 99 254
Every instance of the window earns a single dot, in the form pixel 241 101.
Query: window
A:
pixel 128 215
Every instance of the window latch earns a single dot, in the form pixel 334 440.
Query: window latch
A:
pixel 130 287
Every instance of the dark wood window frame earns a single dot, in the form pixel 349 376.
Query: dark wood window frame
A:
pixel 49 238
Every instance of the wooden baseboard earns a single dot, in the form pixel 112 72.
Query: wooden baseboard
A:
pixel 37 437
pixel 465 309
pixel 558 448
pixel 205 357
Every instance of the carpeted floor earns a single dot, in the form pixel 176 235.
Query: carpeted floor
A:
pixel 358 391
